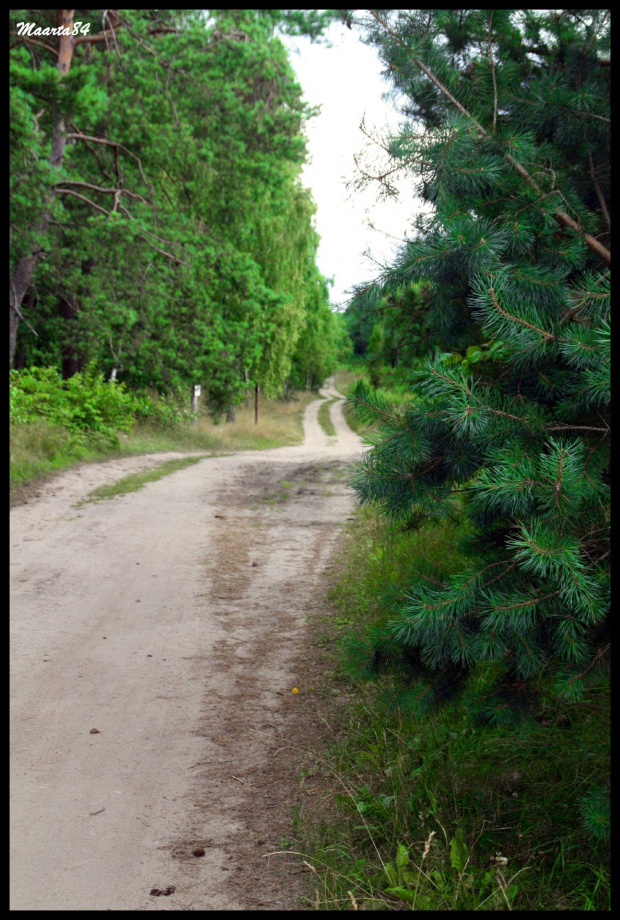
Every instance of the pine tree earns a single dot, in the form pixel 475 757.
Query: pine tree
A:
pixel 506 133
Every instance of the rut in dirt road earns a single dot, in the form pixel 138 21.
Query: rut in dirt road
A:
pixel 155 640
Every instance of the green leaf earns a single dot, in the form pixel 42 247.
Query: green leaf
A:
pixel 402 857
pixel 458 851
pixel 403 894
pixel 391 874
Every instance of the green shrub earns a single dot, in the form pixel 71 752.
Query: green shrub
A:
pixel 85 402
pixel 163 412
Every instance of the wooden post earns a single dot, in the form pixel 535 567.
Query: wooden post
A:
pixel 256 404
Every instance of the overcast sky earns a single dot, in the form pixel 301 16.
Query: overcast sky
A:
pixel 345 81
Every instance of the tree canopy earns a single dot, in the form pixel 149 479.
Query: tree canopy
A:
pixel 158 222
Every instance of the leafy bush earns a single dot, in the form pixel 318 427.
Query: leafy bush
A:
pixel 85 402
pixel 164 412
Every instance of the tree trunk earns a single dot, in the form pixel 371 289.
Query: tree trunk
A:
pixel 73 358
pixel 24 270
pixel 247 391
pixel 256 404
pixel 68 312
pixel 231 414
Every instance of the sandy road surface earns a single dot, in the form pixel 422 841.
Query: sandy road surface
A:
pixel 171 620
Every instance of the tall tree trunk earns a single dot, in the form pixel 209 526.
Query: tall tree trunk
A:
pixel 21 279
pixel 256 404
pixel 67 310
pixel 231 413
pixel 73 357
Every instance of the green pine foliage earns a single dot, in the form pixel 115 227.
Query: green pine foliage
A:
pixel 506 133
pixel 596 812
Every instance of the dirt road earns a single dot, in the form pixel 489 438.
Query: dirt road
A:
pixel 172 621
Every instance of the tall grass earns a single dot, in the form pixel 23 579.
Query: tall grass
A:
pixel 345 380
pixel 436 813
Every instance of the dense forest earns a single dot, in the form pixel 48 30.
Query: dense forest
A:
pixel 159 228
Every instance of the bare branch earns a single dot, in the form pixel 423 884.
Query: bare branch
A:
pixel 109 191
pixel 102 140
pixel 34 41
pixel 599 194
pixel 67 191
pixel 14 305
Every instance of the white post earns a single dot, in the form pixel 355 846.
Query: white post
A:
pixel 195 396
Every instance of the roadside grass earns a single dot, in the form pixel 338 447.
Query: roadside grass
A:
pixel 435 813
pixel 135 481
pixel 279 425
pixel 325 420
pixel 38 448
pixel 344 381
pixel 346 377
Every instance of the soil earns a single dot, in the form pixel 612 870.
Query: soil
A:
pixel 156 639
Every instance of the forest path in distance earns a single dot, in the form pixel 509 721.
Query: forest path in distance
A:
pixel 173 621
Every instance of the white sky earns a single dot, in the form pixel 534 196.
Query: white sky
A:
pixel 345 81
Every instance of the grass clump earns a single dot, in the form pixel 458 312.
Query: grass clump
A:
pixel 438 813
pixel 346 377
pixel 135 481
pixel 325 420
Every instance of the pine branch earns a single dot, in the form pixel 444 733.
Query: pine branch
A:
pixel 102 140
pixel 96 207
pixel 517 319
pixel 561 216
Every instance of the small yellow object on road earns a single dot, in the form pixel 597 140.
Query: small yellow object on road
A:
pixel 295 690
